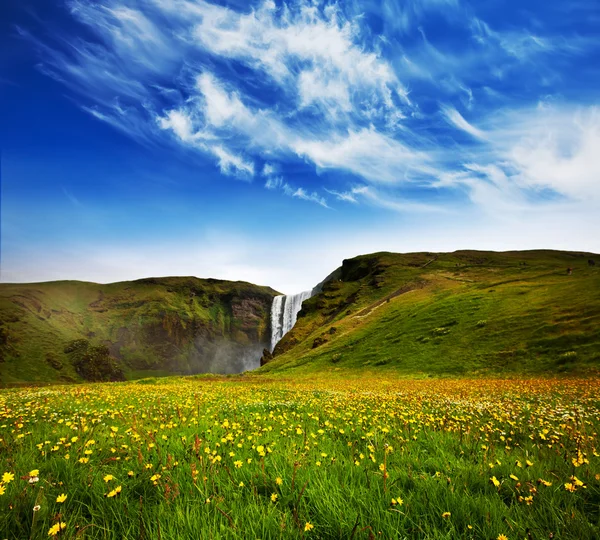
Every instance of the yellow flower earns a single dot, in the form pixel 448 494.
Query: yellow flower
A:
pixel 34 472
pixel 308 526
pixel 7 478
pixel 514 477
pixel 274 497
pixel 2 489
pixel 61 498
pixel 241 484
pixel 502 537
pixel 397 501
pixel 570 487
pixel 278 481
pixel 495 481
pixel 56 528
pixel 446 514
pixel 114 492
pixel 109 477
pixel 130 474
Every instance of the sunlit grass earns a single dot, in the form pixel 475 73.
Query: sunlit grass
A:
pixel 248 458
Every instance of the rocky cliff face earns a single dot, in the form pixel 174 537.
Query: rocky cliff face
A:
pixel 150 326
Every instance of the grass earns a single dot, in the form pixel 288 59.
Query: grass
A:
pixel 459 313
pixel 314 457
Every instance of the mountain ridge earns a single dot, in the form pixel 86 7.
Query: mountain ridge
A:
pixel 151 326
pixel 452 313
pixel 428 313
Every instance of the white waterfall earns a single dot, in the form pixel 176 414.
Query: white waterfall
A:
pixel 284 313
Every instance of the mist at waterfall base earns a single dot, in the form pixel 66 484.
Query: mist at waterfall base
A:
pixel 224 357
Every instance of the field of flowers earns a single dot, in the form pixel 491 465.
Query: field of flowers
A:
pixel 252 458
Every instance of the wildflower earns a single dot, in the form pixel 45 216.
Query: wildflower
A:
pixel 2 489
pixel 34 473
pixel 397 501
pixel 308 526
pixel 274 497
pixel 237 464
pixel 544 482
pixel 576 481
pixel 241 484
pixel 278 481
pixel 36 508
pixel 131 474
pixel 109 477
pixel 502 537
pixel 7 478
pixel 61 498
pixel 495 481
pixel 514 477
pixel 570 487
pixel 56 528
pixel 114 492
pixel 446 514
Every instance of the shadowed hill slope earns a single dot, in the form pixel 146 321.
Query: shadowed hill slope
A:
pixel 69 330
pixel 451 313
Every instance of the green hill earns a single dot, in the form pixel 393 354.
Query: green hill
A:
pixel 71 330
pixel 450 313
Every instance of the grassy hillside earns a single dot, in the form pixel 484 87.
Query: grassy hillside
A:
pixel 466 312
pixel 150 326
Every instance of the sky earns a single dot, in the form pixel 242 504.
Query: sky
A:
pixel 267 141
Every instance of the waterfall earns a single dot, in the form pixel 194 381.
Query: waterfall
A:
pixel 284 313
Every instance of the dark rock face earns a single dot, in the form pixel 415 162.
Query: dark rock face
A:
pixel 266 357
pixel 319 341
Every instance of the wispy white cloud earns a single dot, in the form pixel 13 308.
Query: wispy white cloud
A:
pixel 545 155
pixel 455 118
pixel 368 154
pixel 274 181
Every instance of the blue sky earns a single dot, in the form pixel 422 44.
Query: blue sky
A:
pixel 266 141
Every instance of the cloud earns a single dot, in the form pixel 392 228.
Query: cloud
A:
pixel 455 118
pixel 368 154
pixel 314 53
pixel 353 88
pixel 556 149
pixel 545 155
pixel 275 182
